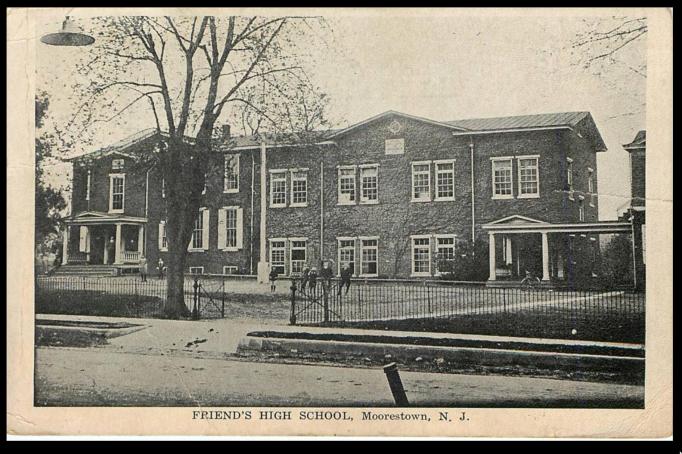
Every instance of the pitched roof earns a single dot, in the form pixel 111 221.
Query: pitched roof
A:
pixel 638 142
pixel 521 121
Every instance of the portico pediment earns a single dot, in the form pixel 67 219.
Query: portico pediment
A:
pixel 515 220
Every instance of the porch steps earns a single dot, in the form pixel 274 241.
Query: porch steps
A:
pixel 85 270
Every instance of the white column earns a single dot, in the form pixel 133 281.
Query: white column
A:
pixel 117 245
pixel 65 245
pixel 491 252
pixel 263 270
pixel 140 239
pixel 545 257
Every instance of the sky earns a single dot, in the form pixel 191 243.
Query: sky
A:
pixel 443 67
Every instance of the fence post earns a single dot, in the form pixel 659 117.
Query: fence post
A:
pixel 222 299
pixel 325 296
pixel 195 309
pixel 292 317
pixel 396 385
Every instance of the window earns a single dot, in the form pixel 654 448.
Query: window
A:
pixel 163 188
pixel 369 184
pixel 278 188
pixel 581 209
pixel 502 178
pixel 421 181
pixel 590 185
pixel 369 256
pixel 445 180
pixel 277 263
pixel 117 164
pixel 200 231
pixel 230 228
pixel 298 255
pixel 163 239
pixel 196 270
pixel 230 269
pixel 231 176
pixel 87 186
pixel 529 186
pixel 299 188
pixel 84 239
pixel 421 256
pixel 445 249
pixel 117 192
pixel 203 191
pixel 346 253
pixel 346 185
pixel 569 177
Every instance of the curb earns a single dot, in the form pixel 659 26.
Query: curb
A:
pixel 463 356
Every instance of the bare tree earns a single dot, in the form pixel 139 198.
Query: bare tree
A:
pixel 186 73
pixel 613 48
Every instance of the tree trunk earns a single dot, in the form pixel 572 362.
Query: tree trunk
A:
pixel 185 181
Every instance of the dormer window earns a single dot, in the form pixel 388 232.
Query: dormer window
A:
pixel 117 164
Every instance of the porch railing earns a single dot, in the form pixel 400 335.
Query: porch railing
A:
pixel 131 256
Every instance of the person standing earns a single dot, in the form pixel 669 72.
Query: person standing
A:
pixel 304 278
pixel 312 280
pixel 326 275
pixel 143 268
pixel 273 279
pixel 346 273
pixel 160 268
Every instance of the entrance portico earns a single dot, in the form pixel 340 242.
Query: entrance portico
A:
pixel 520 245
pixel 102 238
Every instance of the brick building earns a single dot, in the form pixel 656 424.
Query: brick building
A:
pixel 636 212
pixel 392 195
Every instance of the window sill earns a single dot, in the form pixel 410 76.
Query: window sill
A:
pixel 368 275
pixel 116 211
pixel 420 275
pixel 528 196
pixel 502 197
pixel 196 250
pixel 369 202
pixel 230 191
pixel 345 203
pixel 230 249
pixel 277 206
pixel 444 199
pixel 298 205
pixel 420 200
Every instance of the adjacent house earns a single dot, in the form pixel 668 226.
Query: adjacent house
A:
pixel 391 196
pixel 636 212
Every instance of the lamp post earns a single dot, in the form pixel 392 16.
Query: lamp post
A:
pixel 69 35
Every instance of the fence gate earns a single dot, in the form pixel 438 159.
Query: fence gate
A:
pixel 315 302
pixel 208 298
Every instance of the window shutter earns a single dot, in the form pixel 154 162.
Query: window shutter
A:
pixel 162 228
pixel 83 243
pixel 222 228
pixel 206 229
pixel 240 228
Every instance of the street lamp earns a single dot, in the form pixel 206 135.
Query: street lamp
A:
pixel 69 35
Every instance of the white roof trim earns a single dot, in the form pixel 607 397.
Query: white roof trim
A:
pixel 498 131
pixel 515 216
pixel 400 114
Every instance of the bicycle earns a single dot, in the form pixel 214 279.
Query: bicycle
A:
pixel 530 282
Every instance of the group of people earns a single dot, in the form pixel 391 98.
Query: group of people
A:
pixel 310 276
pixel 144 271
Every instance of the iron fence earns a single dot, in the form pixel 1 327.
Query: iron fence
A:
pixel 599 314
pixel 126 297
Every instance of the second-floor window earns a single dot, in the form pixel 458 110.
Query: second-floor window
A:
pixel 278 189
pixel 581 209
pixel 502 178
pixel 369 184
pixel 163 238
pixel 163 188
pixel 421 182
pixel 299 188
pixel 528 176
pixel 87 185
pixel 230 228
pixel 200 231
pixel 445 180
pixel 346 180
pixel 590 185
pixel 569 177
pixel 231 177
pixel 116 192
